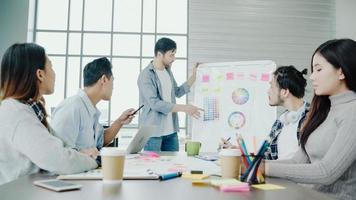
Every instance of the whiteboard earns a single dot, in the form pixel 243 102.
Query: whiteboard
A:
pixel 235 100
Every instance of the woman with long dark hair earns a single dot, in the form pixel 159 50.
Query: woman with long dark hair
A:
pixel 327 157
pixel 26 143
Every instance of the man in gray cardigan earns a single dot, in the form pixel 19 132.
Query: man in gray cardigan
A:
pixel 157 92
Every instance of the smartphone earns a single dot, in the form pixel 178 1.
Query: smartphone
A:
pixel 137 110
pixel 57 185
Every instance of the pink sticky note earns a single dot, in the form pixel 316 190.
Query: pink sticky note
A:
pixel 150 154
pixel 240 76
pixel 206 78
pixel 230 76
pixel 243 187
pixel 265 77
pixel 253 77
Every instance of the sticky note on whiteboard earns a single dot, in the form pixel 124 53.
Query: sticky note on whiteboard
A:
pixel 265 77
pixel 230 76
pixel 240 76
pixel 206 78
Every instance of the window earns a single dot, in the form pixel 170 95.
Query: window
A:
pixel 74 32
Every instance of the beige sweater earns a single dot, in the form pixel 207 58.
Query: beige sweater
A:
pixel 330 161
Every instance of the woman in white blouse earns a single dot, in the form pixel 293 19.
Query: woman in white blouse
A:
pixel 26 143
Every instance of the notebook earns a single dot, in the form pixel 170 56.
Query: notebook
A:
pixel 96 174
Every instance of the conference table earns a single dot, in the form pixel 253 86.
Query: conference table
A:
pixel 174 189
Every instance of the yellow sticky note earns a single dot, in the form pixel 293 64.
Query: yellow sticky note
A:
pixel 201 182
pixel 268 187
pixel 225 182
pixel 195 176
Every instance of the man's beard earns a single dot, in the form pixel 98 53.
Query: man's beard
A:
pixel 167 64
pixel 278 102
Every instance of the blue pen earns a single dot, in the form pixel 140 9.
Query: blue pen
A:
pixel 164 177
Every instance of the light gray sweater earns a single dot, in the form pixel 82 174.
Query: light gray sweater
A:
pixel 330 161
pixel 26 145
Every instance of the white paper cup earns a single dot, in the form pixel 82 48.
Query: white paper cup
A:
pixel 113 161
pixel 230 161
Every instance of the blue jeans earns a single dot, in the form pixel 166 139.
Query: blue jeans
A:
pixel 163 143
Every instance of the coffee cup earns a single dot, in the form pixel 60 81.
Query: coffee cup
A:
pixel 230 161
pixel 113 161
pixel 192 148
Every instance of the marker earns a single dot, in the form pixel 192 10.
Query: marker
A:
pixel 196 172
pixel 164 177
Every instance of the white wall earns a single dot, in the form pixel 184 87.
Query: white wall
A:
pixel 13 22
pixel 285 31
pixel 345 19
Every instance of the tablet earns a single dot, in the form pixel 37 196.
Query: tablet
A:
pixel 57 185
pixel 140 139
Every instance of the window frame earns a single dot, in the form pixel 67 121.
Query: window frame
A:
pixel 66 55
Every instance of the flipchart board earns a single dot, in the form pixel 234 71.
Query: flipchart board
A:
pixel 235 100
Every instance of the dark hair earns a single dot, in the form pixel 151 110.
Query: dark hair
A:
pixel 18 71
pixel 288 77
pixel 340 53
pixel 165 44
pixel 18 74
pixel 94 70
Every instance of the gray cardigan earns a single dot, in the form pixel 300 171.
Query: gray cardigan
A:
pixel 150 95
pixel 26 145
pixel 330 159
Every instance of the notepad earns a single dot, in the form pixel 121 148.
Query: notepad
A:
pixel 208 156
pixel 96 174
pixel 268 187
pixel 201 182
pixel 225 182
pixel 242 187
pixel 195 176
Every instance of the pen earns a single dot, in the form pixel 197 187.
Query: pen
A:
pixel 164 177
pixel 221 147
pixel 137 110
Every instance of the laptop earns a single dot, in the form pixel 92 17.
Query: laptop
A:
pixel 140 139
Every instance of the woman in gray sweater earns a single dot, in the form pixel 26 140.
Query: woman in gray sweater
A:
pixel 327 156
pixel 26 144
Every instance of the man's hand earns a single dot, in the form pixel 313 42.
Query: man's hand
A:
pixel 193 77
pixel 193 111
pixel 225 144
pixel 126 117
pixel 195 68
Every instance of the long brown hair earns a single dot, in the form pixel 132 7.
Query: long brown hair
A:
pixel 340 53
pixel 18 71
pixel 18 78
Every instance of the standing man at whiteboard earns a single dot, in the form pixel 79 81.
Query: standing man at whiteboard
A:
pixel 157 92
pixel 287 89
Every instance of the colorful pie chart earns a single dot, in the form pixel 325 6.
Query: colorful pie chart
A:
pixel 240 96
pixel 236 120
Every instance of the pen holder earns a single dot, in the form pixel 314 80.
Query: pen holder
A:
pixel 254 173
